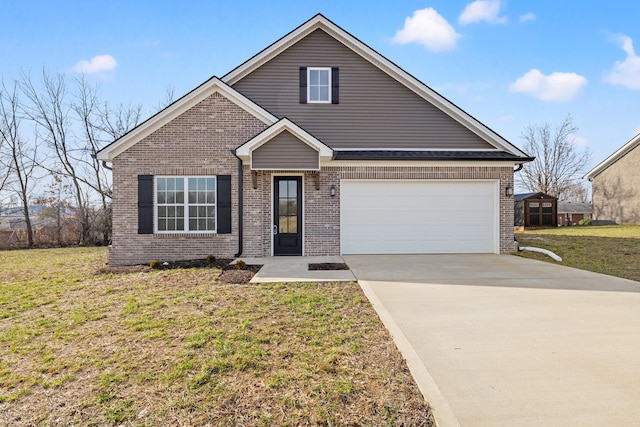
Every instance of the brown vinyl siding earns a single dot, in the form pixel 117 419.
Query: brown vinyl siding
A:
pixel 285 151
pixel 375 110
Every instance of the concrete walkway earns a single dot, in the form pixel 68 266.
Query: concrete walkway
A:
pixel 505 341
pixel 296 269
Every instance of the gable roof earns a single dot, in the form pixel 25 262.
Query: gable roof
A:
pixel 342 36
pixel 155 122
pixel 284 124
pixel 574 207
pixel 628 147
pixel 539 195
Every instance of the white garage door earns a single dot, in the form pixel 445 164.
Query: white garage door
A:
pixel 405 217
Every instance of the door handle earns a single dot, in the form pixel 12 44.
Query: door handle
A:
pixel 275 229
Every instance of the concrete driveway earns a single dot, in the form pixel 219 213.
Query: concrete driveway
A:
pixel 499 340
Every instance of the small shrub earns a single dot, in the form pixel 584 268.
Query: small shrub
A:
pixel 586 221
pixel 240 265
pixel 211 259
pixel 155 264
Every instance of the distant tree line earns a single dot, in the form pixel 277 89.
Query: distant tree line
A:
pixel 50 130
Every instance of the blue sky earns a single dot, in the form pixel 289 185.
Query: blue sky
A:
pixel 508 63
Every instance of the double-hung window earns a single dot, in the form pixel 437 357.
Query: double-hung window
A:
pixel 185 204
pixel 319 85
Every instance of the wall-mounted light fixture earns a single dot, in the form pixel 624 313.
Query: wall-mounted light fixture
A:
pixel 508 191
pixel 332 191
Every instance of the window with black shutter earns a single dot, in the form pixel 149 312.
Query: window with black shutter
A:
pixel 319 85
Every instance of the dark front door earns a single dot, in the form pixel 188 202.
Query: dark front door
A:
pixel 287 215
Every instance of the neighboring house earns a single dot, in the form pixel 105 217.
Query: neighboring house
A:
pixel 12 219
pixel 317 145
pixel 615 185
pixel 571 213
pixel 535 210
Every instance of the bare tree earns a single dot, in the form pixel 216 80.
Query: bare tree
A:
pixel 169 97
pixel 100 126
pixel 115 122
pixel 20 154
pixel 558 163
pixel 85 106
pixel 578 193
pixel 49 108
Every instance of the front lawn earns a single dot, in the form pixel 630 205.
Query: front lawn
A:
pixel 613 250
pixel 177 347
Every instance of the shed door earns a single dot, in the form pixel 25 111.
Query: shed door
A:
pixel 404 217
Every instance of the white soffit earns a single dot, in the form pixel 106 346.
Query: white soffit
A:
pixel 626 148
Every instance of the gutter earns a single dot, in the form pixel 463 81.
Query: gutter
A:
pixel 240 210
pixel 104 164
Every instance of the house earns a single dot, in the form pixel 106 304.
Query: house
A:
pixel 571 213
pixel 615 185
pixel 317 145
pixel 535 210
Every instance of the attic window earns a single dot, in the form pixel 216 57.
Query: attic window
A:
pixel 319 85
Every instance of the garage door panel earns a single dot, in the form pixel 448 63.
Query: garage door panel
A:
pixel 418 217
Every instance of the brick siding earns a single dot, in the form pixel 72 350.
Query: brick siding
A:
pixel 322 212
pixel 198 142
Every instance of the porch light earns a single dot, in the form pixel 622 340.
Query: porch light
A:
pixel 508 191
pixel 332 191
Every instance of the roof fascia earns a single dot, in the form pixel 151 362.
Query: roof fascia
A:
pixel 208 88
pixel 244 151
pixel 421 89
pixel 623 151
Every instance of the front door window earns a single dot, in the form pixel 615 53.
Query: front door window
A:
pixel 287 215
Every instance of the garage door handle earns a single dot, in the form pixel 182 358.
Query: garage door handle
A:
pixel 275 229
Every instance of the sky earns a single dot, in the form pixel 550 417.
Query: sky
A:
pixel 508 63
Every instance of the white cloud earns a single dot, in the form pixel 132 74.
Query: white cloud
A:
pixel 96 64
pixel 527 17
pixel 482 10
pixel 579 141
pixel 626 73
pixel 428 28
pixel 554 87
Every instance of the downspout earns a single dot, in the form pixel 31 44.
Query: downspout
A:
pixel 104 164
pixel 240 197
pixel 520 166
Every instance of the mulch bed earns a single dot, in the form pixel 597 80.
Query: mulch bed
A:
pixel 229 275
pixel 328 266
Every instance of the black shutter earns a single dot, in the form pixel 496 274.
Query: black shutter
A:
pixel 335 85
pixel 145 204
pixel 303 85
pixel 223 208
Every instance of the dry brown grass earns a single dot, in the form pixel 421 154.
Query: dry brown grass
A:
pixel 613 250
pixel 177 347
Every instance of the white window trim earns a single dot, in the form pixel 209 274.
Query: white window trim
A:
pixel 309 69
pixel 185 204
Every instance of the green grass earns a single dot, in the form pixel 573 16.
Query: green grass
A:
pixel 176 347
pixel 613 250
